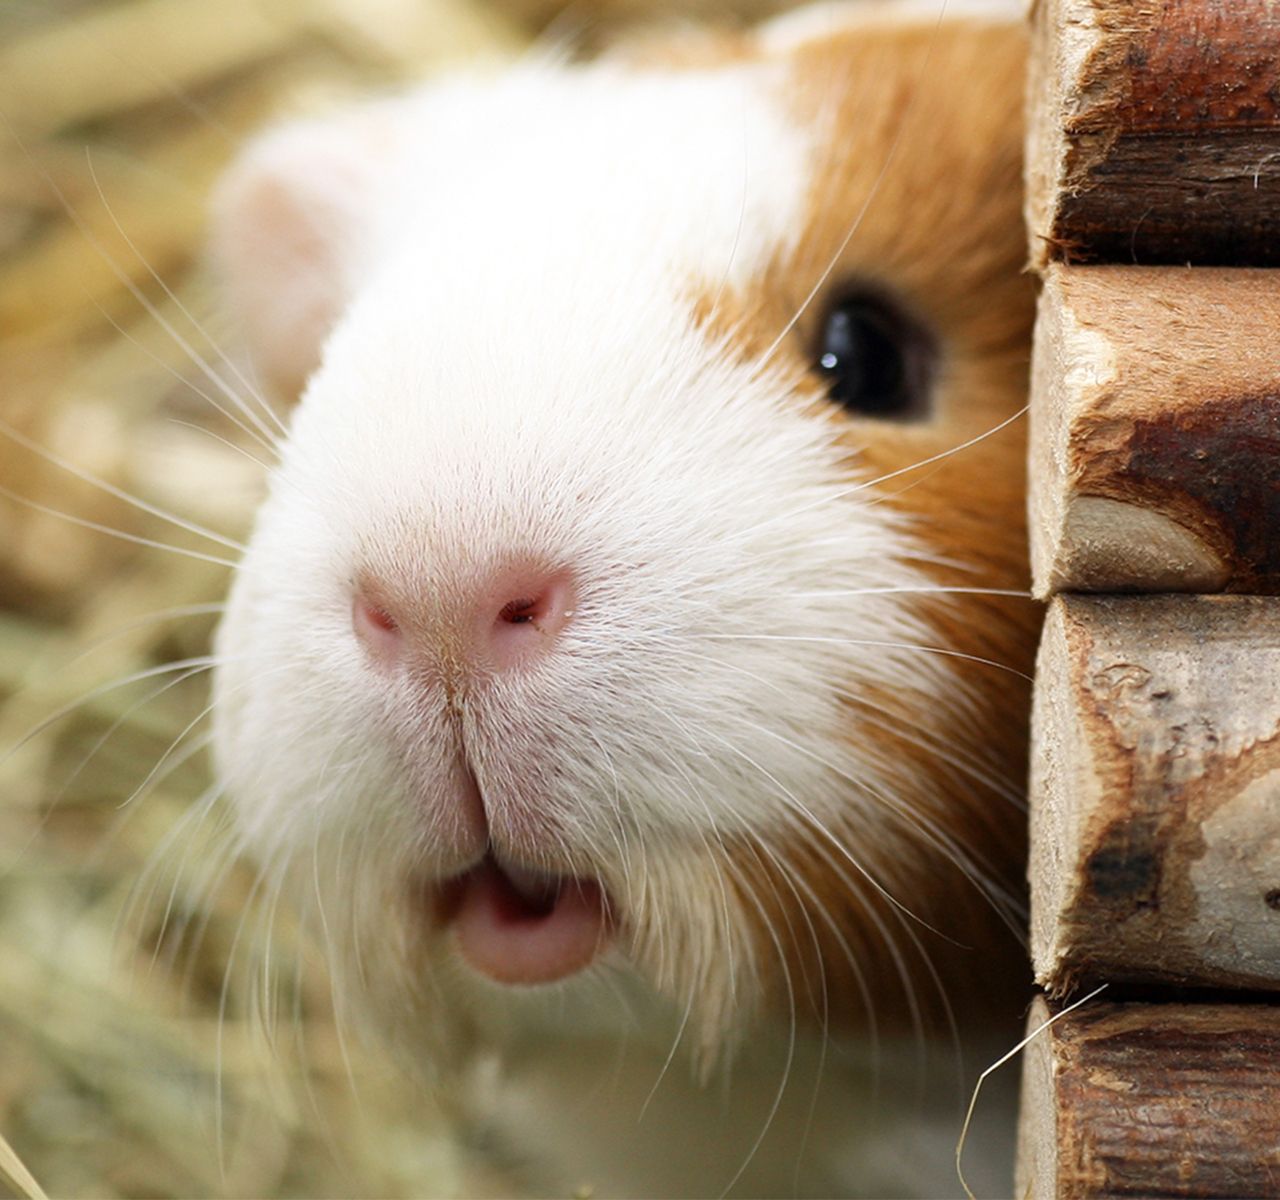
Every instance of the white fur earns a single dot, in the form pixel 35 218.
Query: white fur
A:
pixel 519 371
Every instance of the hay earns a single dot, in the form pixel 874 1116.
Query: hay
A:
pixel 119 1078
pixel 121 1075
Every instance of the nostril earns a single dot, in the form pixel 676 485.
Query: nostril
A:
pixel 519 612
pixel 528 610
pixel 379 617
pixel 375 625
pixel 531 619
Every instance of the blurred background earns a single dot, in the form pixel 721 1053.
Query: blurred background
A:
pixel 132 1060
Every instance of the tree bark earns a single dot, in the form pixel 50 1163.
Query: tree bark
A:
pixel 1151 1100
pixel 1155 430
pixel 1155 792
pixel 1154 132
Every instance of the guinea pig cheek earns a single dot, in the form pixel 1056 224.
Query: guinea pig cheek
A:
pixel 517 928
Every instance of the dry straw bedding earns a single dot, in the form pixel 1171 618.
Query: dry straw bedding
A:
pixel 128 1068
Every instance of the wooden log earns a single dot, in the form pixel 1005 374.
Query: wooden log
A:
pixel 1155 430
pixel 1151 1100
pixel 1154 132
pixel 1155 792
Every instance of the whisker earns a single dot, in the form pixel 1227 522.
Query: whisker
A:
pixel 671 1054
pixel 792 1031
pixel 177 613
pixel 975 869
pixel 110 531
pixel 940 650
pixel 209 372
pixel 812 827
pixel 798 809
pixel 196 816
pixel 830 496
pixel 908 111
pixel 977 439
pixel 1016 593
pixel 737 233
pixel 923 738
pixel 160 762
pixel 794 885
pixel 264 436
pixel 204 806
pixel 267 467
pixel 203 662
pixel 220 1037
pixel 119 493
pixel 330 957
pixel 117 724
pixel 1005 903
pixel 249 432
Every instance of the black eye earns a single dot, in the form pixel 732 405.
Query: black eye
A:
pixel 876 360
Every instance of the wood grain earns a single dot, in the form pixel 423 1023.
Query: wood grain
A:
pixel 1151 1100
pixel 1155 792
pixel 1154 132
pixel 1155 430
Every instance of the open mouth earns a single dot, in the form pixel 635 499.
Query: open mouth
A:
pixel 517 926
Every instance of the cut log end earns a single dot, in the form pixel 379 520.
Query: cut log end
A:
pixel 1155 431
pixel 1155 792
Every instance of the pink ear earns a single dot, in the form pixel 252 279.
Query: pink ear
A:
pixel 291 222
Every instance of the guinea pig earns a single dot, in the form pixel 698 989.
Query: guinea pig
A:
pixel 626 675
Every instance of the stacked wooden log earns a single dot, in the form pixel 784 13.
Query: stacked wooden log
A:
pixel 1154 210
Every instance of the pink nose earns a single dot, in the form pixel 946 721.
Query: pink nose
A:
pixel 509 619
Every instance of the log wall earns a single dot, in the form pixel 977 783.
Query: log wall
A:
pixel 1153 211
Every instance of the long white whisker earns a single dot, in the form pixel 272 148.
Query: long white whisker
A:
pixel 892 153
pixel 671 1054
pixel 922 738
pixel 959 856
pixel 119 493
pixel 265 436
pixel 136 539
pixel 792 1030
pixel 943 454
pixel 835 494
pixel 118 722
pixel 186 827
pixel 941 650
pixel 267 467
pixel 213 376
pixel 1016 593
pixel 204 662
pixel 223 1003
pixel 177 613
pixel 798 806
pixel 249 431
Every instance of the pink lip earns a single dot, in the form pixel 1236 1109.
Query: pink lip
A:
pixel 535 931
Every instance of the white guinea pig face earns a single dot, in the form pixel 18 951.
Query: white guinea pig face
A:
pixel 593 622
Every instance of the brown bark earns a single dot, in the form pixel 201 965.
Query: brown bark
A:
pixel 1155 792
pixel 1155 430
pixel 1154 132
pixel 1151 1100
